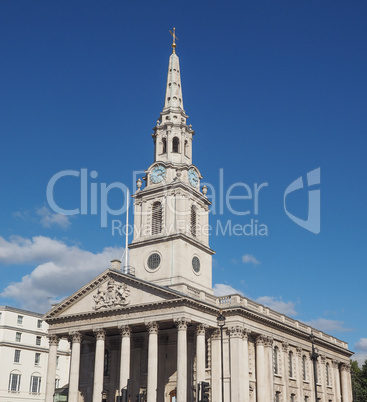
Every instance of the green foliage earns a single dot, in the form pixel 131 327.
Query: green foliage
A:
pixel 359 381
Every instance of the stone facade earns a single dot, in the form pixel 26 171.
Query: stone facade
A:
pixel 152 330
pixel 24 356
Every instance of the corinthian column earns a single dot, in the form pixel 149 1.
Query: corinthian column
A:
pixel 261 391
pixel 51 368
pixel 285 360
pixel 125 356
pixel 98 365
pixel 181 360
pixel 346 383
pixel 269 367
pixel 336 382
pixel 245 380
pixel 216 386
pixel 152 362
pixel 76 339
pixel 299 369
pixel 236 349
pixel 200 353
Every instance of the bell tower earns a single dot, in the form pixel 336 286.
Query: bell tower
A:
pixel 171 232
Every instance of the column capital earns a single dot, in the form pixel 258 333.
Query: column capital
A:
pixel 181 323
pixel 100 334
pixel 53 339
pixel 200 329
pixel 125 330
pixel 245 333
pixel 216 334
pixel 268 342
pixel 235 331
pixel 75 336
pixel 299 351
pixel 152 327
pixel 323 359
pixel 335 364
pixel 345 367
pixel 260 340
pixel 285 346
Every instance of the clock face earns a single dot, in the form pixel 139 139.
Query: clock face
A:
pixel 158 174
pixel 193 178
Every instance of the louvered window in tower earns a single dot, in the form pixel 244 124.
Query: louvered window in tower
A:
pixel 175 145
pixel 164 146
pixel 156 218
pixel 193 220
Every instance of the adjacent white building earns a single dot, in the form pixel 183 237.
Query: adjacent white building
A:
pixel 24 356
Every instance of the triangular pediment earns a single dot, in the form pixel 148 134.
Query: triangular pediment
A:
pixel 109 291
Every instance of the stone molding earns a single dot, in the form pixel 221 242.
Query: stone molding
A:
pixel 115 294
pixel 181 323
pixel 125 330
pixel 235 332
pixel 100 334
pixel 75 337
pixel 345 367
pixel 152 327
pixel 53 340
pixel 268 342
pixel 200 329
pixel 216 334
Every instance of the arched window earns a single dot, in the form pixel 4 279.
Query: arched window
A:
pixel 290 363
pixel 14 381
pixel 164 146
pixel 193 220
pixel 156 218
pixel 35 385
pixel 175 145
pixel 277 396
pixel 276 364
pixel 327 374
pixel 304 373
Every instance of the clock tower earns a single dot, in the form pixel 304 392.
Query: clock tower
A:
pixel 171 232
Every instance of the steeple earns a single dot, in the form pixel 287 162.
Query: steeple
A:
pixel 171 240
pixel 172 136
pixel 173 89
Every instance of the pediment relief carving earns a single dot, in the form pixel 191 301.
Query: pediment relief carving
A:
pixel 112 294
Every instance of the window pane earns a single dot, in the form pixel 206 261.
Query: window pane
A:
pixel 37 358
pixel 35 384
pixel 20 319
pixel 17 356
pixel 39 324
pixel 18 337
pixel 38 340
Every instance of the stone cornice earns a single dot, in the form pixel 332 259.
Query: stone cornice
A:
pixel 175 236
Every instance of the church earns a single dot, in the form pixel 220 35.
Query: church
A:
pixel 153 330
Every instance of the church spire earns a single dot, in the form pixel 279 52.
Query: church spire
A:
pixel 173 98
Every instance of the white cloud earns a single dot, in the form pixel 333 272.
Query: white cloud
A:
pixel 278 305
pixel 61 269
pixel 361 345
pixel 48 219
pixel 250 259
pixel 326 325
pixel 221 289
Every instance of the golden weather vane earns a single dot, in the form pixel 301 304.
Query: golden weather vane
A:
pixel 174 39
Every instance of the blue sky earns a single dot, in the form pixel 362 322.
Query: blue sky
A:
pixel 274 90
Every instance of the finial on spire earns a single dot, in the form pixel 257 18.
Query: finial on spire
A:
pixel 174 39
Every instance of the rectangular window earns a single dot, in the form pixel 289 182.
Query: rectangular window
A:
pixel 57 361
pixel 0 315
pixel 17 356
pixel 38 340
pixel 14 382
pixel 57 382
pixel 18 337
pixel 37 358
pixel 39 324
pixel 35 386
pixel 20 320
